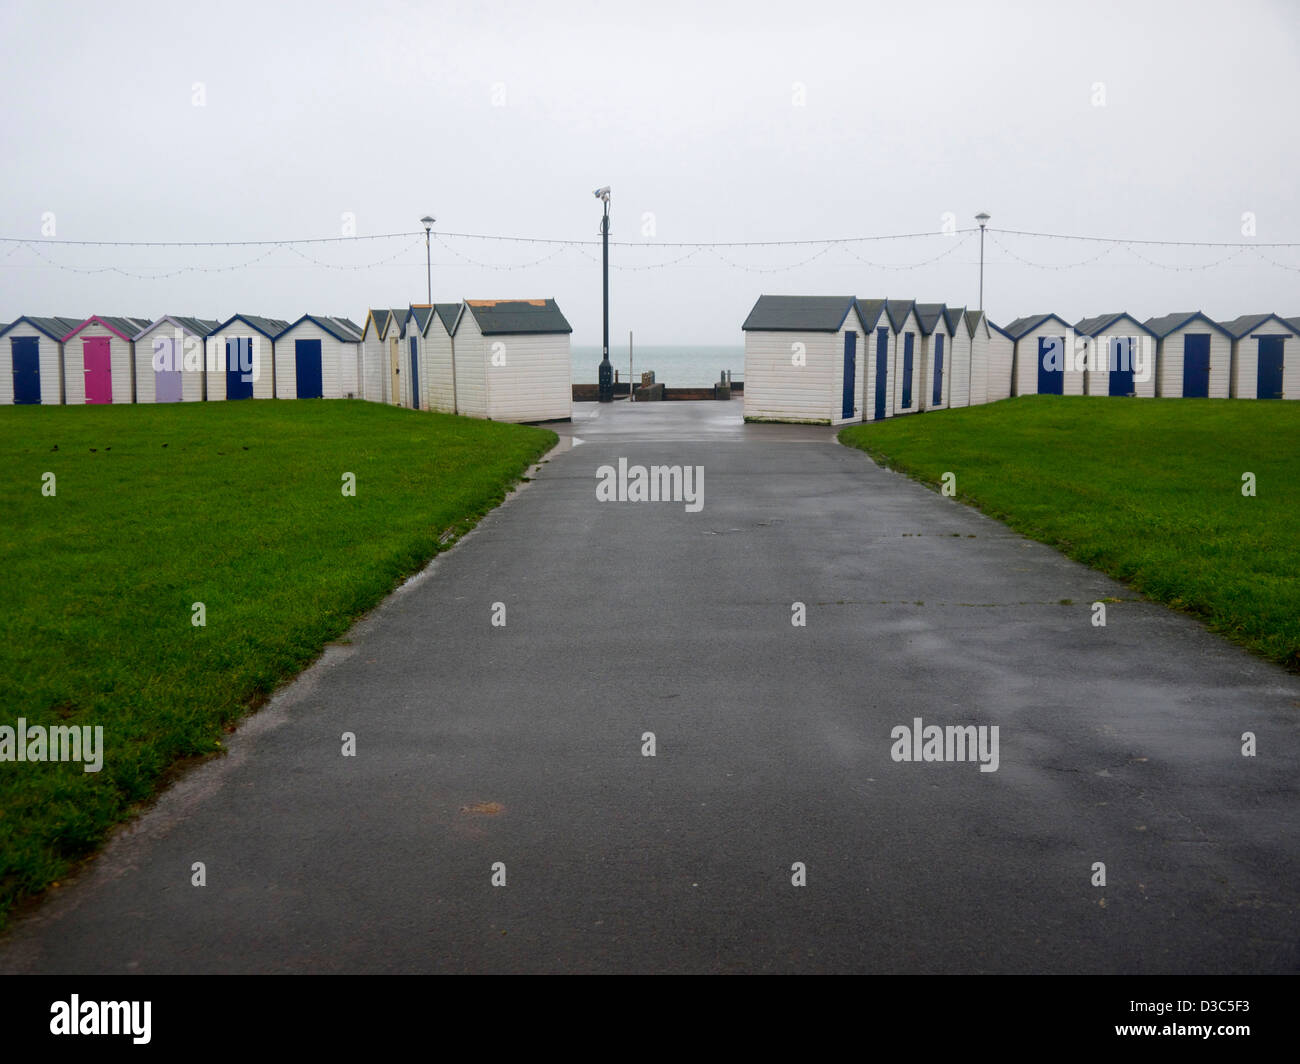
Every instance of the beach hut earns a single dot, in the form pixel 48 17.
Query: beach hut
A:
pixel 1259 369
pixel 801 359
pixel 169 360
pixel 1043 361
pixel 99 360
pixel 1002 357
pixel 1120 356
pixel 936 356
pixel 374 355
pixel 316 358
pixel 241 357
pixel 415 381
pixel 382 355
pixel 1193 356
pixel 877 360
pixel 429 330
pixel 959 356
pixel 981 345
pixel 901 315
pixel 31 360
pixel 513 361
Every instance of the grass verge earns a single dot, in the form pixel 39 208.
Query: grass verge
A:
pixel 1149 491
pixel 238 506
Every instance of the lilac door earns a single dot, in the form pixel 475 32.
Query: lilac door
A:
pixel 167 379
pixel 98 361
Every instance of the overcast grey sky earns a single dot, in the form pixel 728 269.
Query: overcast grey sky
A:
pixel 728 122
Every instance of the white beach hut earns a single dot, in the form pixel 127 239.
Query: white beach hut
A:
pixel 99 360
pixel 901 315
pixel 513 360
pixel 31 360
pixel 1043 362
pixel 1001 364
pixel 1259 364
pixel 240 361
pixel 877 361
pixel 429 330
pixel 936 356
pixel 801 359
pixel 1120 356
pixel 959 357
pixel 981 348
pixel 169 360
pixel 1193 356
pixel 316 358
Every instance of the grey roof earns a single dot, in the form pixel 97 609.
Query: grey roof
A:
pixel 869 310
pixel 450 314
pixel 196 326
pixel 1021 326
pixel 952 316
pixel 56 328
pixel 897 309
pixel 268 327
pixel 973 320
pixel 128 327
pixel 350 324
pixel 513 317
pixel 399 319
pixel 1293 322
pixel 928 315
pixel 1167 323
pixel 381 318
pixel 1248 323
pixel 423 314
pixel 1101 322
pixel 331 325
pixel 799 314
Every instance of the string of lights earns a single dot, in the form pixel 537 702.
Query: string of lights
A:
pixel 730 254
pixel 649 242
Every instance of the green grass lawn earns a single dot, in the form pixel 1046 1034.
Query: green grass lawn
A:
pixel 1147 490
pixel 238 506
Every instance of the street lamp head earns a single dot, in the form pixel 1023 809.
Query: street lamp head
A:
pixel 427 221
pixel 982 218
pixel 602 193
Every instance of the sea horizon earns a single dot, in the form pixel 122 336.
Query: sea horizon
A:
pixel 674 365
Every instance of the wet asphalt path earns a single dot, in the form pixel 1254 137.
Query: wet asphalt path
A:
pixel 523 745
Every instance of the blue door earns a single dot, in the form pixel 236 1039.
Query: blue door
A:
pixel 1269 382
pixel 1051 365
pixel 937 396
pixel 850 373
pixel 1121 365
pixel 415 374
pixel 882 371
pixel 239 368
pixel 27 369
pixel 306 357
pixel 907 370
pixel 1196 366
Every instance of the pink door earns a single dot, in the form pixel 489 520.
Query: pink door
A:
pixel 99 369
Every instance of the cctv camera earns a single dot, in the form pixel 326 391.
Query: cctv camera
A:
pixel 602 193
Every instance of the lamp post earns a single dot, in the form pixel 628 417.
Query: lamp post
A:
pixel 427 221
pixel 605 375
pixel 983 219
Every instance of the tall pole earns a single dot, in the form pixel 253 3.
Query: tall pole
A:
pixel 983 219
pixel 605 376
pixel 427 221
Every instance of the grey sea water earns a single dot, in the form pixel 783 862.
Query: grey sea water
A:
pixel 674 366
